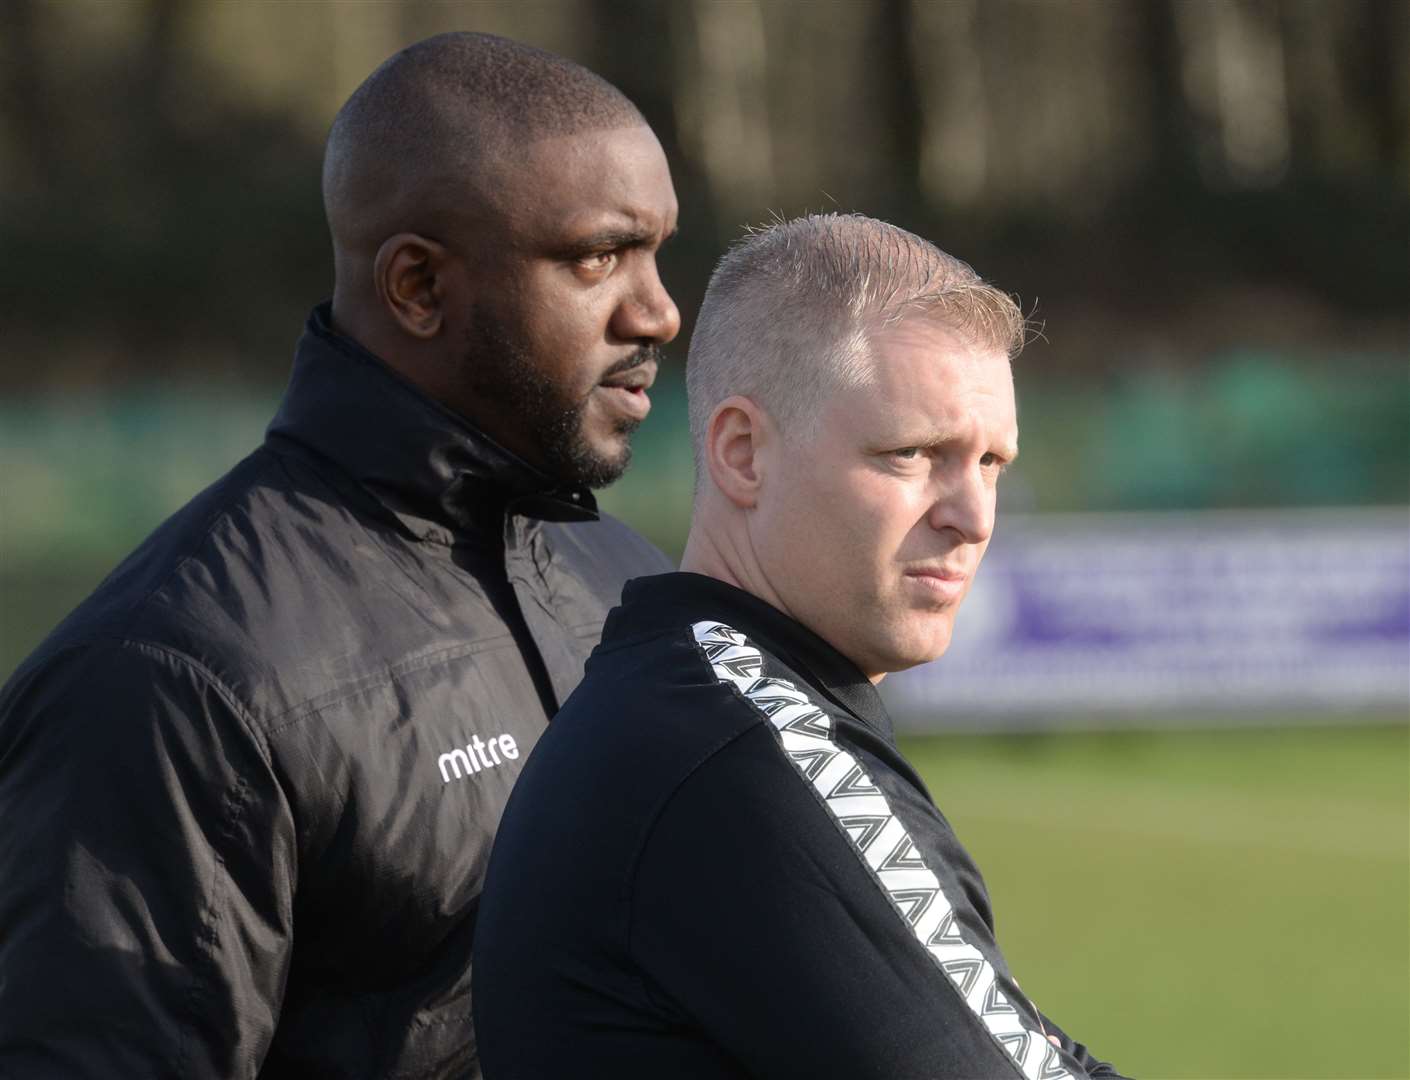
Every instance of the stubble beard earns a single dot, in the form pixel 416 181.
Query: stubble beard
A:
pixel 503 372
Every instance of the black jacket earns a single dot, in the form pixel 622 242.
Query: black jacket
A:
pixel 248 788
pixel 717 864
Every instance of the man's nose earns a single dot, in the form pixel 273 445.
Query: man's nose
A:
pixel 648 313
pixel 966 507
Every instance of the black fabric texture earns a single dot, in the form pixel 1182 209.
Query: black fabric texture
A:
pixel 248 788
pixel 670 896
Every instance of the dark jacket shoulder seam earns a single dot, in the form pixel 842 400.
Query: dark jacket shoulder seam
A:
pixel 123 643
pixel 305 710
pixel 233 806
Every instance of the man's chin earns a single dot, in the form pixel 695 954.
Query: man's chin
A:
pixel 593 464
pixel 923 649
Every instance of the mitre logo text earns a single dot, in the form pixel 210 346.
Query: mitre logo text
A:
pixel 477 756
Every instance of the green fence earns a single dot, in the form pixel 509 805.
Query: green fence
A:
pixel 86 477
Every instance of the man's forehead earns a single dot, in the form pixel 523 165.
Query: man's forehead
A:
pixel 924 331
pixel 928 350
pixel 601 180
pixel 620 159
pixel 926 378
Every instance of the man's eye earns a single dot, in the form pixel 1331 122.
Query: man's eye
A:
pixel 993 463
pixel 906 453
pixel 598 260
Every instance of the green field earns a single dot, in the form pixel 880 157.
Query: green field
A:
pixel 1191 903
pixel 1200 904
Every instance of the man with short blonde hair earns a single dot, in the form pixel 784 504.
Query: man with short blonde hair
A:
pixel 842 278
pixel 748 878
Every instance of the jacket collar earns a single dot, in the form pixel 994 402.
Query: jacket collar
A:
pixel 436 473
pixel 668 601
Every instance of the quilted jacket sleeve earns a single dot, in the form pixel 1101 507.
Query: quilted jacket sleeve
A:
pixel 146 872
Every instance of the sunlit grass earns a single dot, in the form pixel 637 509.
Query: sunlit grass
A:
pixel 1200 904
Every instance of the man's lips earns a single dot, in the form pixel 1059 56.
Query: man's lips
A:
pixel 639 377
pixel 942 582
pixel 626 390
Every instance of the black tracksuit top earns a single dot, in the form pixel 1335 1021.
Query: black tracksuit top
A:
pixel 717 864
pixel 248 789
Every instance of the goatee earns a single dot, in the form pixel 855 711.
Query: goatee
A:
pixel 502 371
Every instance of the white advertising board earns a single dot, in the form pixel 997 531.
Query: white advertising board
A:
pixel 1176 614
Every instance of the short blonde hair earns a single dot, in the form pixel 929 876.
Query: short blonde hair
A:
pixel 790 310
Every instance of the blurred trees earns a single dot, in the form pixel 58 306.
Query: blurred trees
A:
pixel 1209 201
pixel 1165 176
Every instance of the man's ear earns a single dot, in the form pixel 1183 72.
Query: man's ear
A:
pixel 737 439
pixel 407 273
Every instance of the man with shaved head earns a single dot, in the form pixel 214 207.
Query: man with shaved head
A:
pixel 749 880
pixel 250 785
pixel 495 213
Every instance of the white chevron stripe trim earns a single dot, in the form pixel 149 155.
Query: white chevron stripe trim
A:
pixel 805 733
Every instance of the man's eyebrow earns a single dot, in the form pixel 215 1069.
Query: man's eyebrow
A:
pixel 936 438
pixel 619 238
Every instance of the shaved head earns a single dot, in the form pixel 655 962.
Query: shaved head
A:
pixel 496 212
pixel 419 144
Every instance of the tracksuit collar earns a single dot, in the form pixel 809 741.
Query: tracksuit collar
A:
pixel 666 601
pixel 433 470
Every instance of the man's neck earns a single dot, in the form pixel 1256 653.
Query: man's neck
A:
pixel 718 555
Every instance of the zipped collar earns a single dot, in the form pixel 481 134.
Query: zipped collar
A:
pixel 428 466
pixel 671 601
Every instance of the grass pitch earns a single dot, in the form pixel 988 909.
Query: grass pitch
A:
pixel 1211 904
pixel 1199 904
